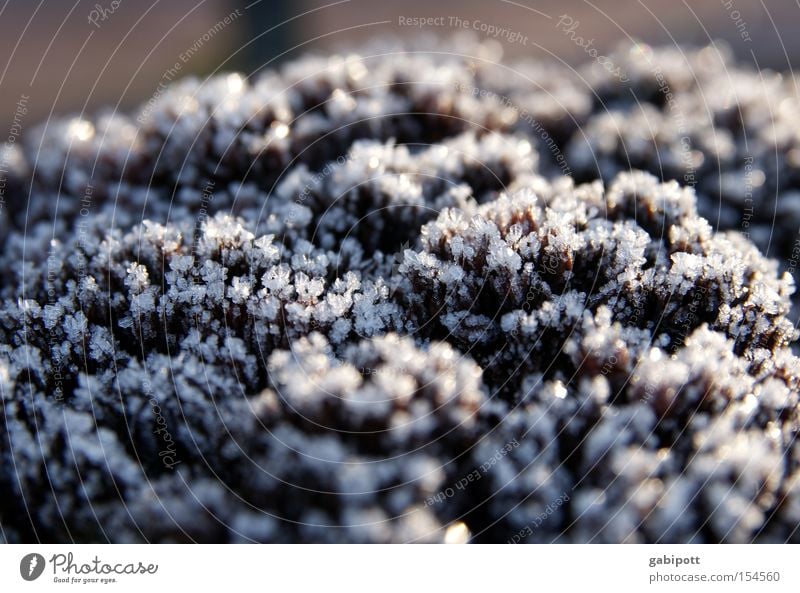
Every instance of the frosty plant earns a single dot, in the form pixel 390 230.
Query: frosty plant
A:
pixel 306 306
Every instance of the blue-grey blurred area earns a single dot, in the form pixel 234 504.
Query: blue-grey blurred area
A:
pixel 67 56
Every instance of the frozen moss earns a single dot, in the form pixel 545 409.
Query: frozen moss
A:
pixel 355 300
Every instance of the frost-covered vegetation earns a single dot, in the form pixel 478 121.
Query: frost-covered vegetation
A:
pixel 358 300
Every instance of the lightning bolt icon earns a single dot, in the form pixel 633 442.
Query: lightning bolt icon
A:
pixel 32 566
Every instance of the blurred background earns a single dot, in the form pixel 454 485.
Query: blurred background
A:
pixel 63 56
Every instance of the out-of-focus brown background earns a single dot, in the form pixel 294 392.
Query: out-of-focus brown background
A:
pixel 51 53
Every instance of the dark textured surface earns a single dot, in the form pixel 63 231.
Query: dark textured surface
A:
pixel 356 300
